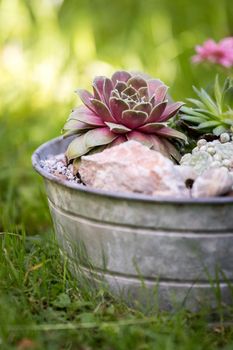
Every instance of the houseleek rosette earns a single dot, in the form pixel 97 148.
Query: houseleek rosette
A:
pixel 125 107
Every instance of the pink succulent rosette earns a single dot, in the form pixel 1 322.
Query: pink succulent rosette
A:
pixel 125 107
pixel 218 53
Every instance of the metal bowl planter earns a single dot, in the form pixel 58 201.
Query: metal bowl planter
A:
pixel 166 252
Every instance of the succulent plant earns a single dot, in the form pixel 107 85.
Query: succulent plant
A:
pixel 214 154
pixel 125 107
pixel 211 114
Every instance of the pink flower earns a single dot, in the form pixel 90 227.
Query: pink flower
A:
pixel 219 53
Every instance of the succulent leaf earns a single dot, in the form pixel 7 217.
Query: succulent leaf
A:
pixel 151 128
pixel 133 119
pixel 157 111
pixel 120 86
pixel 206 125
pixel 77 148
pixel 120 76
pixel 137 82
pixel 144 107
pixel 102 110
pixel 170 111
pixel 85 115
pixel 166 131
pixel 140 137
pixel 118 106
pixel 108 87
pixel 220 129
pixel 218 94
pixel 118 128
pixel 160 93
pixel 98 87
pixel 86 98
pixel 159 145
pixel 152 86
pixel 211 114
pixel 99 137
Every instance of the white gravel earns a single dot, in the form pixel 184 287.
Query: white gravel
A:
pixel 57 166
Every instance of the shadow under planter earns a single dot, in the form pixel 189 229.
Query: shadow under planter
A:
pixel 166 252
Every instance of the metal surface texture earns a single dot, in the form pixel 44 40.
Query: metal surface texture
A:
pixel 150 251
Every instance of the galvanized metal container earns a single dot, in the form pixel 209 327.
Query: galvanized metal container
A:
pixel 166 252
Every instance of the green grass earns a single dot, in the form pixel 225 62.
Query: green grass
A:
pixel 41 302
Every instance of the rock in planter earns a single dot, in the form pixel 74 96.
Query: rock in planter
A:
pixel 211 183
pixel 132 167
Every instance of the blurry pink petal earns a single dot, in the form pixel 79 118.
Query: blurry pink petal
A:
pixel 226 62
pixel 210 45
pixel 227 42
pixel 219 53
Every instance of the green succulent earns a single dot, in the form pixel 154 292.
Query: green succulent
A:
pixel 211 113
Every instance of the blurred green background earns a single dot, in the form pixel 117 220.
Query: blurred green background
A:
pixel 50 47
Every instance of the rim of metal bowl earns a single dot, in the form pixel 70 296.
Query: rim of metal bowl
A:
pixel 117 195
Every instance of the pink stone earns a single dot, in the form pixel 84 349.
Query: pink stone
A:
pixel 132 167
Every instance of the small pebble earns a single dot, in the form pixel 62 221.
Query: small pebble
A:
pixel 226 162
pixel 215 164
pixel 201 142
pixel 225 137
pixel 186 158
pixel 217 156
pixel 211 150
pixel 195 150
pixel 203 148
